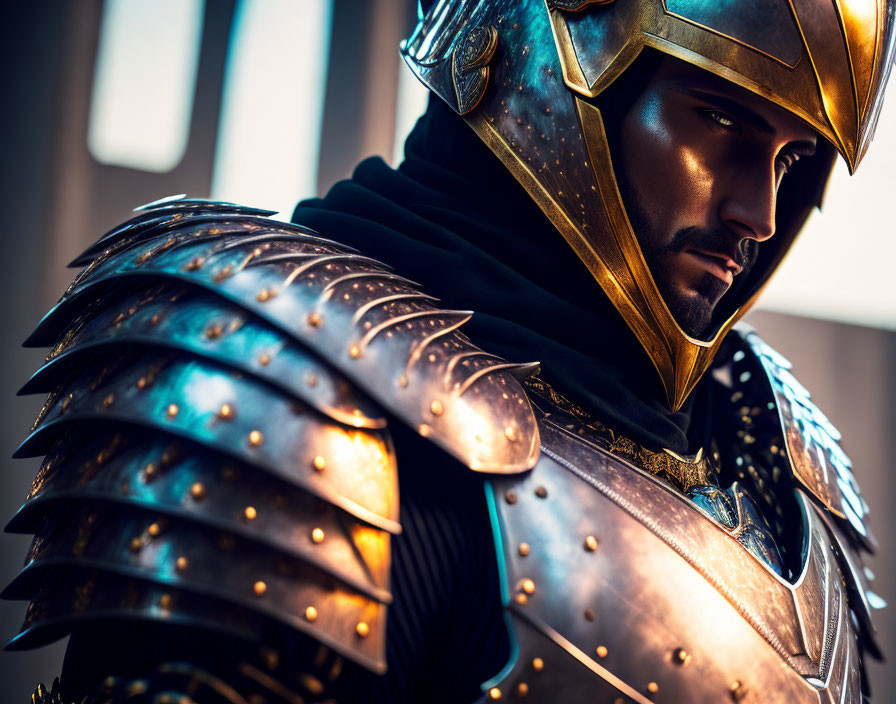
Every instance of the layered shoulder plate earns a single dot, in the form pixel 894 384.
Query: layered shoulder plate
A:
pixel 819 463
pixel 216 440
pixel 375 327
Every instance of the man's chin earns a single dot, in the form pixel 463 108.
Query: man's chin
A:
pixel 693 311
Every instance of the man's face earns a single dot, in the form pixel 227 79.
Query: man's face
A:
pixel 699 165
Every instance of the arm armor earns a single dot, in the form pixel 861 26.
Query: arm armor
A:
pixel 215 434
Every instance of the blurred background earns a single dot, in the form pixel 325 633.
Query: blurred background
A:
pixel 114 103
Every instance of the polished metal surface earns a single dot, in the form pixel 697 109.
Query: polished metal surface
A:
pixel 373 326
pixel 824 62
pixel 217 450
pixel 812 442
pixel 621 587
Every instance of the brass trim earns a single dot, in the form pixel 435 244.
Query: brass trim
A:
pixel 705 28
pixel 834 132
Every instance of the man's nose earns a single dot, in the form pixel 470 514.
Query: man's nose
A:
pixel 748 207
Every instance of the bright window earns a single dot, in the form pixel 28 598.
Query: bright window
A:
pixel 144 82
pixel 272 108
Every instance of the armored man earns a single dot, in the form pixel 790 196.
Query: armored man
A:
pixel 279 471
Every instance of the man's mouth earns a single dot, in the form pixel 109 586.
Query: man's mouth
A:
pixel 719 265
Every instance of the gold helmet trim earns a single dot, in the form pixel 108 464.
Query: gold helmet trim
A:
pixel 834 86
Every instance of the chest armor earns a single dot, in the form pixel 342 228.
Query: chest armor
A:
pixel 619 589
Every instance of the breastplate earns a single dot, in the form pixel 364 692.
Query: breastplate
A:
pixel 619 589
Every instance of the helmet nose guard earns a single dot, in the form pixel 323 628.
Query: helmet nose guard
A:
pixel 525 75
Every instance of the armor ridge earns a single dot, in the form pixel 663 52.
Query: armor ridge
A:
pixel 216 383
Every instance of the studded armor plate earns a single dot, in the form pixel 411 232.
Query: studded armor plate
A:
pixel 620 589
pixel 215 435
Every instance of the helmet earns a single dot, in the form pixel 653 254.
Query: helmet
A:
pixel 533 77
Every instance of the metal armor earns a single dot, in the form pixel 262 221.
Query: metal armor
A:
pixel 620 589
pixel 218 456
pixel 217 449
pixel 531 77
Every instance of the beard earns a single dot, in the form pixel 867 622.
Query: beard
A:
pixel 694 313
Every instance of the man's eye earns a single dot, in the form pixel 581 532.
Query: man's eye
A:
pixel 721 119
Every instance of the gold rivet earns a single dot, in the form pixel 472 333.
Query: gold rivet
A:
pixel 165 601
pixel 172 410
pixel 314 320
pixel 537 664
pixel 541 492
pixel 362 629
pixel 510 497
pixel 155 319
pixel 310 682
pixel 589 614
pixel 181 563
pixel 522 689
pixel 319 463
pixel 226 411
pixel 317 535
pixel 590 543
pixel 432 357
pixel 310 613
pixel 154 529
pixel 436 408
pixel 311 380
pixel 403 381
pixel 255 438
pixel 197 491
pixel 424 429
pixel 149 472
pixel 653 687
pixel 263 295
pixel 136 544
pixel 264 359
pixel 194 264
pixel 250 513
pixel 528 586
pixel 521 599
pixel 524 549
pixel 737 691
pixel 494 693
pixel 259 588
pixel 354 351
pixel 601 651
pixel 141 382
pixel 510 433
pixel 680 656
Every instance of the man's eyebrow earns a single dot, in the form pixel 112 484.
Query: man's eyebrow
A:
pixel 743 113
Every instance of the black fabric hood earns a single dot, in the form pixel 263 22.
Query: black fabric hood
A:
pixel 454 220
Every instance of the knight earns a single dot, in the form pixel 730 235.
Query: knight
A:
pixel 278 470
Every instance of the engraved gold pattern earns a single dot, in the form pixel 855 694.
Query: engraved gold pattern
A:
pixel 682 473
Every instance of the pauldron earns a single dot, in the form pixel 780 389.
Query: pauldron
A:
pixel 216 440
